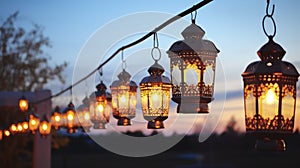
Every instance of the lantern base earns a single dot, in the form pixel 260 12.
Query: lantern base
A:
pixel 191 107
pixel 267 144
pixel 155 124
pixel 124 121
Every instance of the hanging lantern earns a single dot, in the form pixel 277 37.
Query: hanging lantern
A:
pixel 34 122
pixel 6 133
pixel 56 118
pixel 155 94
pixel 69 118
pixel 123 92
pixel 45 127
pixel 100 106
pixel 270 96
pixel 25 126
pixel 20 128
pixel 84 115
pixel 193 65
pixel 23 104
pixel 13 128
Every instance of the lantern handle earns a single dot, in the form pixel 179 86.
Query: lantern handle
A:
pixel 155 47
pixel 193 17
pixel 124 65
pixel 269 15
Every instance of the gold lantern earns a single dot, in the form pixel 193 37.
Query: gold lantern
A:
pixel 100 106
pixel 123 93
pixel 34 122
pixel 270 95
pixel 56 118
pixel 155 95
pixel 69 118
pixel 23 104
pixel 45 127
pixel 84 115
pixel 192 67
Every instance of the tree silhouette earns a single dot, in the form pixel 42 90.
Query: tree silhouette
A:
pixel 23 67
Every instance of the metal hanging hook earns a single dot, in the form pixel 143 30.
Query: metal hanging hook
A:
pixel 100 73
pixel 124 66
pixel 193 17
pixel 267 9
pixel 155 47
pixel 272 19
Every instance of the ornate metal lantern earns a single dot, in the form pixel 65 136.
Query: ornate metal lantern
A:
pixel 155 95
pixel 45 127
pixel 69 118
pixel 23 104
pixel 193 64
pixel 124 97
pixel 13 128
pixel 84 115
pixel 56 118
pixel 100 106
pixel 34 122
pixel 270 95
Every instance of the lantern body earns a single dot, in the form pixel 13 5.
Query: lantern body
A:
pixel 123 92
pixel 100 107
pixel 23 104
pixel 13 128
pixel 84 115
pixel 70 118
pixel 155 97
pixel 25 126
pixel 56 119
pixel 270 95
pixel 6 133
pixel 45 127
pixel 34 122
pixel 193 64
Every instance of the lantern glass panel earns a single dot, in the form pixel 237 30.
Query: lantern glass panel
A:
pixel 155 100
pixel 249 104
pixel 192 76
pixel 209 76
pixel 268 101
pixel 288 101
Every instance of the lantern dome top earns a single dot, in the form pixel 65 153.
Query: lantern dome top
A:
pixel 156 76
pixel 101 87
pixel 193 41
pixel 271 51
pixel 269 68
pixel 124 79
pixel 70 107
pixel 193 31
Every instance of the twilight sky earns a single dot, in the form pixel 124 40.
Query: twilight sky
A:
pixel 233 25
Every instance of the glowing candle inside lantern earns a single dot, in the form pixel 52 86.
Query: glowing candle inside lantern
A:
pixel 270 96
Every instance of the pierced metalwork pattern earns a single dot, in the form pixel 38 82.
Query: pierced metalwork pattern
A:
pixel 193 90
pixel 257 122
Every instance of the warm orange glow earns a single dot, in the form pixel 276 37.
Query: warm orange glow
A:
pixel 1 135
pixel 23 104
pixel 157 124
pixel 25 125
pixel 33 123
pixel 100 107
pixel 44 126
pixel 20 128
pixel 70 116
pixel 6 133
pixel 57 118
pixel 13 128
